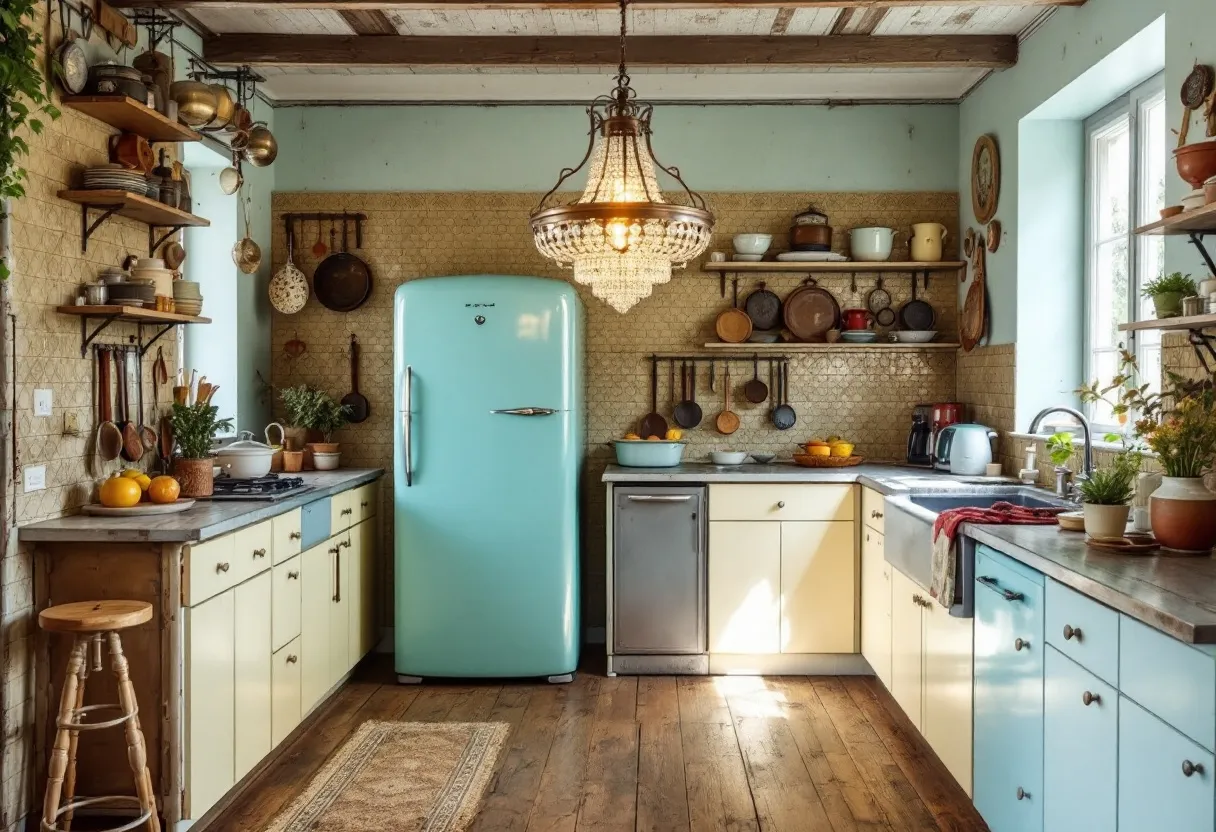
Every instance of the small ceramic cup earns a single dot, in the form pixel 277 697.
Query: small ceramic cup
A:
pixel 717 257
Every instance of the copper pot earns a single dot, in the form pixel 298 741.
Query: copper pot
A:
pixel 196 102
pixel 225 108
pixel 810 237
pixel 262 148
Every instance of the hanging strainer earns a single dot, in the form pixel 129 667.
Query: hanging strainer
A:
pixel 289 286
pixel 246 253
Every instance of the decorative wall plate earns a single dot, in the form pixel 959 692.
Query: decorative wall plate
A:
pixel 289 290
pixel 969 243
pixel 994 235
pixel 985 179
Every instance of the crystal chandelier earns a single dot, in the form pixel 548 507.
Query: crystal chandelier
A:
pixel 621 237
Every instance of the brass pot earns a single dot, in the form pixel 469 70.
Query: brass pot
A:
pixel 262 147
pixel 225 107
pixel 196 102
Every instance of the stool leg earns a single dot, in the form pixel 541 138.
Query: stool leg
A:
pixel 63 736
pixel 69 781
pixel 137 753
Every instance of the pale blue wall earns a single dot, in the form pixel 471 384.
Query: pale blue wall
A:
pixel 717 148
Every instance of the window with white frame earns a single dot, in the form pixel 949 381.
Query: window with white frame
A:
pixel 1125 188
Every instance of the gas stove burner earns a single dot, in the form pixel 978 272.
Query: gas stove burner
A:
pixel 269 487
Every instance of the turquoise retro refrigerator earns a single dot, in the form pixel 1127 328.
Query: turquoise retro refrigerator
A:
pixel 489 400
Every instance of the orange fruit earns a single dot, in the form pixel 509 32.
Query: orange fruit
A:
pixel 653 438
pixel 819 450
pixel 120 492
pixel 164 490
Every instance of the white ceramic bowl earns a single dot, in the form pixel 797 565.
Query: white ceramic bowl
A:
pixel 325 462
pixel 871 244
pixel 728 457
pixel 916 336
pixel 1195 199
pixel 752 243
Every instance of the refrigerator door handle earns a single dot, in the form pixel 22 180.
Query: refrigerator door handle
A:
pixel 407 396
pixel 525 411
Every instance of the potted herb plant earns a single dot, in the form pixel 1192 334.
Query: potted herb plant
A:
pixel 194 430
pixel 329 415
pixel 1179 426
pixel 300 411
pixel 1168 291
pixel 1106 495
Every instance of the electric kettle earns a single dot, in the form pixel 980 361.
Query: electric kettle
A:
pixel 964 449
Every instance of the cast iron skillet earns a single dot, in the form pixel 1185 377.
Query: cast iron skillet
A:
pixel 343 282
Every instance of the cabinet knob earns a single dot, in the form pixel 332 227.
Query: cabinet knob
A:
pixel 1018 644
pixel 221 567
pixel 867 537
pixel 259 553
pixel 1189 768
pixel 293 575
pixel 1072 632
pixel 294 536
pixel 875 514
pixel 364 504
pixel 1022 793
pixel 292 659
pixel 1090 698
pixel 347 511
pixel 781 504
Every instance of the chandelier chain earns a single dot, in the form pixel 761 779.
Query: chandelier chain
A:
pixel 622 77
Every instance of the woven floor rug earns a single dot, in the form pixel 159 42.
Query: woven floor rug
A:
pixel 400 776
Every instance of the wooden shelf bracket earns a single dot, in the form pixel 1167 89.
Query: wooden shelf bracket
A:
pixel 1196 238
pixel 155 242
pixel 87 337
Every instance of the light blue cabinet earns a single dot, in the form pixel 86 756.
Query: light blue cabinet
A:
pixel 1175 681
pixel 1008 744
pixel 1080 747
pixel 1165 779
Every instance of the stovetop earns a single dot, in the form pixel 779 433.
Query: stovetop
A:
pixel 269 488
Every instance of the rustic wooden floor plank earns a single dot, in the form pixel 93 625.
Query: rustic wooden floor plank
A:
pixel 945 799
pixel 475 705
pixel 784 796
pixel 702 700
pixel 846 798
pixel 662 792
pixel 610 785
pixel 899 801
pixel 719 799
pixel 560 793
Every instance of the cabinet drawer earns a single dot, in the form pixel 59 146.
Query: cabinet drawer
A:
pixel 209 569
pixel 287 535
pixel 286 602
pixel 252 549
pixel 1173 680
pixel 781 502
pixel 1084 630
pixel 873 506
pixel 314 523
pixel 1155 791
pixel 341 511
pixel 1003 574
pixel 285 685
pixel 1080 748
pixel 365 501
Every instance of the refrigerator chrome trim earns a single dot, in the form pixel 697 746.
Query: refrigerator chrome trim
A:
pixel 407 394
pixel 524 411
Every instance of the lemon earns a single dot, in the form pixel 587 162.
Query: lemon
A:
pixel 144 481
pixel 674 434
pixel 632 437
pixel 132 473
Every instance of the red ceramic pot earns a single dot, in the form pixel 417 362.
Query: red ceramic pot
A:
pixel 1196 162
pixel 855 319
pixel 1183 514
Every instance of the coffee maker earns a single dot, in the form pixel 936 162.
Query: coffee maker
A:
pixel 943 414
pixel 920 438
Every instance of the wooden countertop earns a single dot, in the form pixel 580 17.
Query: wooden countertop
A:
pixel 1177 595
pixel 205 520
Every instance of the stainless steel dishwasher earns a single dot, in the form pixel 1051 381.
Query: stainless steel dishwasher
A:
pixel 658 609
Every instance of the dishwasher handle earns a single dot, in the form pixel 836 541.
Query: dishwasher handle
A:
pixel 655 498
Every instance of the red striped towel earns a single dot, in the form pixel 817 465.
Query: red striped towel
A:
pixel 945 533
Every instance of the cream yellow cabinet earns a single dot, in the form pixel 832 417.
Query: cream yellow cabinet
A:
pixel 907 674
pixel 285 695
pixel 316 597
pixel 818 588
pixel 287 533
pixel 744 587
pixel 285 604
pixel 948 679
pixel 252 692
pixel 362 590
pixel 210 701
pixel 341 554
pixel 876 605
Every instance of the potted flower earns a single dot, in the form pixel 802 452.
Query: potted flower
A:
pixel 1179 426
pixel 1168 291
pixel 194 430
pixel 1106 493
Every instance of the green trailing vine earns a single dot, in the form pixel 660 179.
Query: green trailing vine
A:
pixel 25 97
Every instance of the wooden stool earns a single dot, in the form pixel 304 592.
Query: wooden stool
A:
pixel 91 622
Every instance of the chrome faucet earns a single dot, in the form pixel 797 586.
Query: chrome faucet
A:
pixel 1087 464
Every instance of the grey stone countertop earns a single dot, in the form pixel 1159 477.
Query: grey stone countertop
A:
pixel 204 520
pixel 887 478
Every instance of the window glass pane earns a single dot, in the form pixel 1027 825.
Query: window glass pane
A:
pixel 1105 365
pixel 1153 155
pixel 1110 294
pixel 1112 153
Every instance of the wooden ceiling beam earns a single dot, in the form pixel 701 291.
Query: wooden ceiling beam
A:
pixel 515 5
pixel 368 21
pixel 933 51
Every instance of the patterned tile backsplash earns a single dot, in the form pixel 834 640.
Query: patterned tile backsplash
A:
pixel 866 395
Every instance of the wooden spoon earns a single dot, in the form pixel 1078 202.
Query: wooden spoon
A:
pixel 318 248
pixel 727 421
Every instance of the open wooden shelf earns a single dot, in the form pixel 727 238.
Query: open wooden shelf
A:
pixel 839 346
pixel 162 322
pixel 829 267
pixel 1190 322
pixel 1199 220
pixel 129 115
pixel 136 207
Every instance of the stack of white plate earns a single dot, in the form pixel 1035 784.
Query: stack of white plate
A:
pixel 115 178
pixel 187 299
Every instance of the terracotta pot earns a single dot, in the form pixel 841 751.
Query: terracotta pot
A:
pixel 294 439
pixel 1196 162
pixel 196 476
pixel 1183 513
pixel 322 447
pixel 293 462
pixel 1106 521
pixel 1168 305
